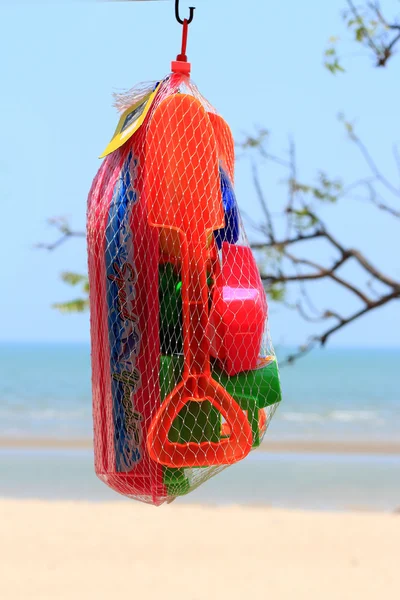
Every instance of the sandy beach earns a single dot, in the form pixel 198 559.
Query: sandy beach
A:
pixel 381 447
pixel 61 550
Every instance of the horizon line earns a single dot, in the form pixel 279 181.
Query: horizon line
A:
pixel 291 346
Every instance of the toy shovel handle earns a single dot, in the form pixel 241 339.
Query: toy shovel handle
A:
pixel 195 306
pixel 226 451
pixel 198 385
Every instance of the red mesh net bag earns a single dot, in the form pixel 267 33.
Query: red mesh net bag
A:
pixel 184 376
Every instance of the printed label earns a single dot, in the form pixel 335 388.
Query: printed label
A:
pixel 130 122
pixel 123 322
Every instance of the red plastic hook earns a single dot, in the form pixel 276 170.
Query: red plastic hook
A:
pixel 181 64
pixel 182 56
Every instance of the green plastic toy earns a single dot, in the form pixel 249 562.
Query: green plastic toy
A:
pixel 252 390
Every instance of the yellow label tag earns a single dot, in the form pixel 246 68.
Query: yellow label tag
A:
pixel 130 122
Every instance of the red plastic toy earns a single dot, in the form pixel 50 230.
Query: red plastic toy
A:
pixel 239 311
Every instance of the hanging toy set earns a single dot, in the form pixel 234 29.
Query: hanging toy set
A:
pixel 185 380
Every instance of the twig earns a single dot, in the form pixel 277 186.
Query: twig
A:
pixel 320 273
pixel 323 338
pixel 306 297
pixel 373 167
pixel 301 237
pixel 396 157
pixel 373 196
pixel 263 203
pixel 292 192
pixel 358 17
pixel 384 52
pixel 61 240
pixel 372 306
pixel 375 7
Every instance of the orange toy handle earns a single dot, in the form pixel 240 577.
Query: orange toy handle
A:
pixel 192 454
pixel 262 424
pixel 196 345
pixel 197 384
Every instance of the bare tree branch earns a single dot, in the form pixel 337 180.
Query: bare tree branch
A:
pixel 396 157
pixel 263 204
pixel 373 166
pixel 320 273
pixel 359 18
pixel 292 192
pixel 373 197
pixel 304 227
pixel 376 8
pixel 300 237
pixel 322 339
pixel 307 299
pixel 395 285
pixel 372 306
pixel 66 233
pixel 356 254
pixel 374 34
pixel 302 351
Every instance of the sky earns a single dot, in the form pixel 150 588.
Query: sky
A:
pixel 258 62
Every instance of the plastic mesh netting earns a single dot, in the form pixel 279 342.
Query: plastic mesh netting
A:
pixel 185 379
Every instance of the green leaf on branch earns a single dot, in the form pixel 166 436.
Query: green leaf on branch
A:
pixel 255 141
pixel 360 33
pixel 276 292
pixel 73 306
pixel 74 278
pixel 332 62
pixel 330 52
pixel 79 304
pixel 304 219
pixel 334 67
pixel 327 190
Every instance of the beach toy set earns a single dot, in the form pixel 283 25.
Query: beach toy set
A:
pixel 184 376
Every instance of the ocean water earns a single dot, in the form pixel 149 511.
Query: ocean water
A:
pixel 329 395
pixel 309 481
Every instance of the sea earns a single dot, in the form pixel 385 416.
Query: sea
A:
pixel 335 395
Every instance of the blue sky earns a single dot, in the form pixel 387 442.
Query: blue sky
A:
pixel 258 62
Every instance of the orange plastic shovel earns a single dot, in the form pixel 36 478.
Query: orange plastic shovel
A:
pixel 225 143
pixel 184 197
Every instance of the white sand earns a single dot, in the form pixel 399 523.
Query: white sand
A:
pixel 269 445
pixel 124 551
